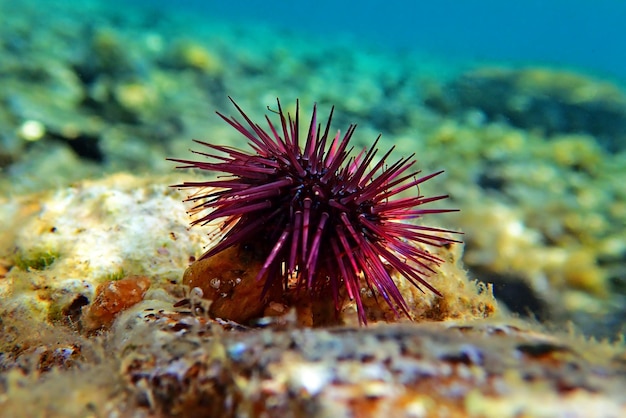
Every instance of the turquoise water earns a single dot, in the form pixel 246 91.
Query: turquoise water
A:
pixel 587 35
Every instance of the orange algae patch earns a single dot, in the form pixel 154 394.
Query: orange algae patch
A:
pixel 112 298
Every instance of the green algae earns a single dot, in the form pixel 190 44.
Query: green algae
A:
pixel 113 276
pixel 35 259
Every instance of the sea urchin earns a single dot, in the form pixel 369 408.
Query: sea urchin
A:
pixel 328 221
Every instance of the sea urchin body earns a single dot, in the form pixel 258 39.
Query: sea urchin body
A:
pixel 332 222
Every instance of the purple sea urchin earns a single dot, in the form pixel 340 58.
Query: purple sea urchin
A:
pixel 326 221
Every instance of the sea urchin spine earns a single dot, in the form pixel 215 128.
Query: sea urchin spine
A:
pixel 331 221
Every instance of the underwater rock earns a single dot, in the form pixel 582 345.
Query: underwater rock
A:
pixel 63 244
pixel 174 363
pixel 106 53
pixel 540 98
pixel 48 108
pixel 403 370
pixel 546 216
pixel 111 298
pixel 188 54
pixel 78 241
pixel 228 279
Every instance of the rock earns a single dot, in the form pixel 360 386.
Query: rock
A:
pixel 539 98
pixel 229 281
pixel 111 298
pixel 65 244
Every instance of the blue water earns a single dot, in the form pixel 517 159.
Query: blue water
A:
pixel 573 34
